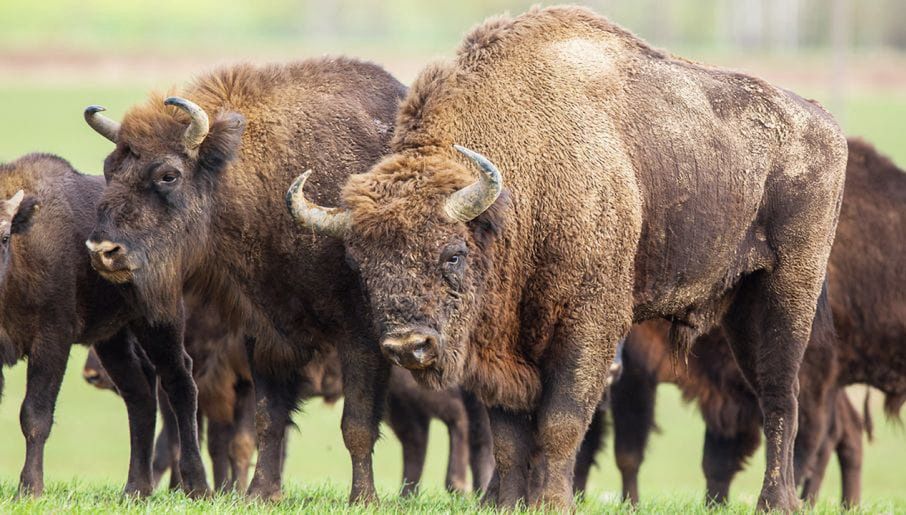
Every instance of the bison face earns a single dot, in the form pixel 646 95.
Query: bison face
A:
pixel 15 219
pixel 424 290
pixel 421 239
pixel 152 221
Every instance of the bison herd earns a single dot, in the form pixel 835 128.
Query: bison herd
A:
pixel 480 248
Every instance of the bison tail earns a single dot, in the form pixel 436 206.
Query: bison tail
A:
pixel 892 405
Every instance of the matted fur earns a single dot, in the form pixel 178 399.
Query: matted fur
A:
pixel 639 185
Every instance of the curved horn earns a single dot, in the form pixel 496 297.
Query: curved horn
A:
pixel 12 205
pixel 331 221
pixel 103 125
pixel 469 202
pixel 198 128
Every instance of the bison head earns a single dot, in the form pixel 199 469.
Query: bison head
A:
pixel 152 221
pixel 15 218
pixel 421 238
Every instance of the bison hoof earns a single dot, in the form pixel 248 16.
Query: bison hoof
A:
pixel 137 491
pixel 783 500
pixel 363 496
pixel 264 493
pixel 29 491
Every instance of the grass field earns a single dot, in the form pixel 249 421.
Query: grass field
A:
pixel 87 453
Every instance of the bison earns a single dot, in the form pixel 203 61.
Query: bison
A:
pixel 51 298
pixel 862 344
pixel 617 184
pixel 194 203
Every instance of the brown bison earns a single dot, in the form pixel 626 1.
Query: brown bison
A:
pixel 863 344
pixel 617 184
pixel 194 202
pixel 221 374
pixel 867 278
pixel 51 298
pixel 731 412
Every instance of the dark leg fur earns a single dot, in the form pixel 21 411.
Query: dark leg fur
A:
pixel 164 346
pixel 632 402
pixel 134 378
pixel 592 442
pixel 242 445
pixel 365 379
pixel 411 428
pixel 481 446
pixel 46 365
pixel 724 456
pixel 219 437
pixel 512 450
pixel 768 342
pixel 276 399
pixel 170 437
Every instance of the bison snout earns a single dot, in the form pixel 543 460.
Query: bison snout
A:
pixel 109 258
pixel 416 350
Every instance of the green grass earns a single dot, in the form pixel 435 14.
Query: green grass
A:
pixel 87 454
pixel 79 497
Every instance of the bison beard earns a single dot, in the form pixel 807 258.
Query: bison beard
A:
pixel 194 204
pixel 640 186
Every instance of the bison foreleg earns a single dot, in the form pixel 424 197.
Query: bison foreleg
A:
pixel 632 402
pixel 411 428
pixel 365 378
pixel 481 446
pixel 724 456
pixel 46 364
pixel 512 452
pixel 134 379
pixel 163 343
pixel 275 399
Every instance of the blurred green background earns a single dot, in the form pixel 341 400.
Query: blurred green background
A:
pixel 58 56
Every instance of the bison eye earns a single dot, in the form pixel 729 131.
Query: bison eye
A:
pixel 167 178
pixel 454 260
pixel 5 239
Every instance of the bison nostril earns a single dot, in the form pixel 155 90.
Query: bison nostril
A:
pixel 112 252
pixel 414 351
pixel 91 376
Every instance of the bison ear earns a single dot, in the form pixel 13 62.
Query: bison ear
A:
pixel 222 143
pixel 487 226
pixel 23 217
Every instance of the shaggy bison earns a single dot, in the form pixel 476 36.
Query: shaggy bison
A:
pixel 617 184
pixel 865 290
pixel 51 298
pixel 194 202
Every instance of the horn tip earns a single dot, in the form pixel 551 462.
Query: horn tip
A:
pixel 295 188
pixel 172 101
pixel 94 108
